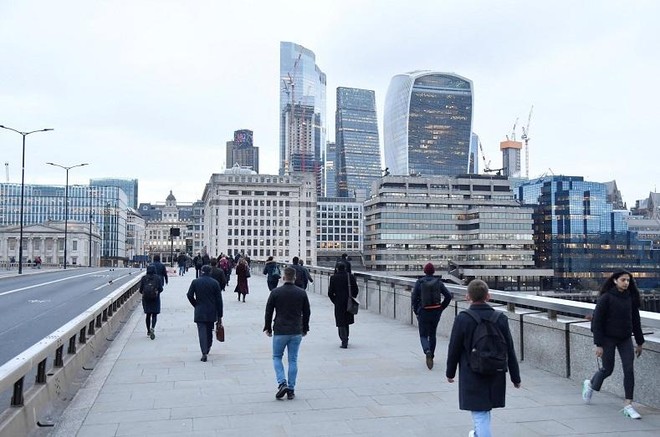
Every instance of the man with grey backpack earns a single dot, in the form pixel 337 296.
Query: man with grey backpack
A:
pixel 429 298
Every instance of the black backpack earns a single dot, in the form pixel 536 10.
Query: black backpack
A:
pixel 150 289
pixel 489 351
pixel 431 292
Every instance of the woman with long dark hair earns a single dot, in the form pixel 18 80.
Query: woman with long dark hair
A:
pixel 615 318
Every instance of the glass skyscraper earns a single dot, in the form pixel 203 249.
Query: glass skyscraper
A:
pixel 428 124
pixel 130 187
pixel 331 170
pixel 580 235
pixel 358 147
pixel 302 112
pixel 241 151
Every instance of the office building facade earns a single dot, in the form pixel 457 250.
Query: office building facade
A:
pixel 339 229
pixel 330 176
pixel 241 150
pixel 261 215
pixel 468 225
pixel 580 235
pixel 427 124
pixel 129 186
pixel 302 116
pixel 358 145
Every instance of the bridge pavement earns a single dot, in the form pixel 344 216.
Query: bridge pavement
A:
pixel 379 386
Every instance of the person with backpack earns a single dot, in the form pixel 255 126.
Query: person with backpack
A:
pixel 429 298
pixel 161 270
pixel 303 278
pixel 273 272
pixel 150 289
pixel 615 319
pixel 482 348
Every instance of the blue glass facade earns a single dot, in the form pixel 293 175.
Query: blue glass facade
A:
pixel 302 116
pixel 358 146
pixel 428 124
pixel 105 206
pixel 129 186
pixel 331 170
pixel 579 235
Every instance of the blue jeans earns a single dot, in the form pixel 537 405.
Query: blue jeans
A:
pixel 427 323
pixel 481 420
pixel 182 270
pixel 292 343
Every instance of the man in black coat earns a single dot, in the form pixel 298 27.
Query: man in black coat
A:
pixel 218 274
pixel 205 296
pixel 479 393
pixel 161 270
pixel 291 307
pixel 338 292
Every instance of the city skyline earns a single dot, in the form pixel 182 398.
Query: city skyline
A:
pixel 123 82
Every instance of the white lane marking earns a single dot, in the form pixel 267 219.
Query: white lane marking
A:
pixel 46 283
pixel 110 282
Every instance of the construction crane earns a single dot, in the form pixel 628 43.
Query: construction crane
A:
pixel 513 131
pixel 525 138
pixel 289 88
pixel 487 168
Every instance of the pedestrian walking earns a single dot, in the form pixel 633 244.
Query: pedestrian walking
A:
pixel 150 289
pixel 481 383
pixel 429 298
pixel 218 274
pixel 242 274
pixel 273 272
pixel 197 262
pixel 345 260
pixel 181 262
pixel 342 286
pixel 291 307
pixel 161 270
pixel 205 296
pixel 615 319
pixel 302 274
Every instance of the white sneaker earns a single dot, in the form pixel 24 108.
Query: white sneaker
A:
pixel 587 391
pixel 471 434
pixel 629 411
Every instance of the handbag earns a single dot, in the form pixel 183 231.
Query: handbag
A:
pixel 353 305
pixel 220 332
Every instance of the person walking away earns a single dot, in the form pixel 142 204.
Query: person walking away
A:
pixel 482 382
pixel 150 289
pixel 197 262
pixel 205 296
pixel 273 272
pixel 218 274
pixel 429 298
pixel 338 292
pixel 161 270
pixel 181 263
pixel 225 265
pixel 242 273
pixel 344 259
pixel 615 318
pixel 302 274
pixel 292 311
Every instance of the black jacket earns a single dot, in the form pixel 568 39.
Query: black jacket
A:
pixel 219 275
pixel 617 317
pixel 416 296
pixel 204 294
pixel 478 392
pixel 338 294
pixel 151 306
pixel 161 271
pixel 291 307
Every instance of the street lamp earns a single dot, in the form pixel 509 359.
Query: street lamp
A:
pixel 66 200
pixel 20 243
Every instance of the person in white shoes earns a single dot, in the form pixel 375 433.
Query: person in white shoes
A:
pixel 615 318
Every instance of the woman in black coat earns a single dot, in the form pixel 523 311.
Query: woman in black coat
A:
pixel 338 294
pixel 151 306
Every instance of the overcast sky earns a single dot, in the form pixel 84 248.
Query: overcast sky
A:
pixel 152 89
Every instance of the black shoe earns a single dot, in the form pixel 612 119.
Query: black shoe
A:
pixel 429 360
pixel 203 358
pixel 281 391
pixel 344 345
pixel 290 394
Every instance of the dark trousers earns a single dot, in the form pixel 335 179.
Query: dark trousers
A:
pixel 427 323
pixel 627 354
pixel 205 332
pixel 150 320
pixel 197 270
pixel 343 333
pixel 272 283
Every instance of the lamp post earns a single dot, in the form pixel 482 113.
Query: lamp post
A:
pixel 20 242
pixel 66 200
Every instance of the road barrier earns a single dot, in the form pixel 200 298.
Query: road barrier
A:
pixel 58 359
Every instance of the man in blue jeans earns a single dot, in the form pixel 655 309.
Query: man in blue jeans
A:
pixel 291 307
